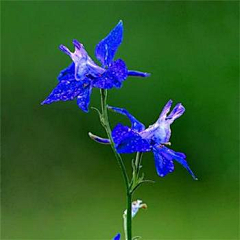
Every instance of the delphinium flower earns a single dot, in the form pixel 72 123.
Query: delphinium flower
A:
pixel 155 138
pixel 77 80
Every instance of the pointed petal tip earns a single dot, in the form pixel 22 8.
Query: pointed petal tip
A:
pixel 120 22
pixel 61 47
pixel 90 134
pixel 64 49
pixel 98 139
pixel 85 110
pixel 147 74
pixel 177 112
pixel 77 44
pixel 117 237
pixel 195 178
pixel 44 102
pixel 107 47
pixel 110 108
pixel 138 73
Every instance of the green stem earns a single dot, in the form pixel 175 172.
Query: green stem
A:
pixel 129 216
pixel 106 125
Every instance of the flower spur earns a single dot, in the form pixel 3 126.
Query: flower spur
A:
pixel 137 138
pixel 77 80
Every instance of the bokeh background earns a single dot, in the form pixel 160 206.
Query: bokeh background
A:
pixel 57 183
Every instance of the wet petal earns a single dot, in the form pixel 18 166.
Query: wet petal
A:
pixel 161 130
pixel 67 73
pixel 163 165
pixel 84 65
pixel 65 91
pixel 176 113
pixel 112 77
pixel 138 74
pixel 106 48
pixel 165 110
pixel 128 141
pixel 136 125
pixel 83 99
pixel 179 157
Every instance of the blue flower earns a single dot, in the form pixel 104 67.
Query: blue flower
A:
pixel 77 80
pixel 155 138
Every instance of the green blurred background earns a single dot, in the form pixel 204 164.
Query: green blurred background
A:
pixel 57 183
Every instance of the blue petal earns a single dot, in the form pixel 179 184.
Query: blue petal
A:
pixel 128 141
pixel 112 77
pixel 176 112
pixel 67 73
pixel 66 91
pixel 83 99
pixel 117 237
pixel 84 65
pixel 136 125
pixel 138 74
pixel 165 111
pixel 162 131
pixel 163 165
pixel 179 157
pixel 106 49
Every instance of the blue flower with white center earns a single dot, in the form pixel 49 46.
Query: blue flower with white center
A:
pixel 154 138
pixel 77 80
pixel 138 139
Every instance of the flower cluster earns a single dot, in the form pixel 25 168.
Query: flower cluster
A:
pixel 77 80
pixel 76 83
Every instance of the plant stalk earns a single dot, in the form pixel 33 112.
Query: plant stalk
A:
pixel 106 125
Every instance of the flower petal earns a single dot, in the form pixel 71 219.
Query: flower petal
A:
pixel 67 73
pixel 136 205
pixel 128 141
pixel 112 77
pixel 83 99
pixel 161 131
pixel 179 157
pixel 65 91
pixel 176 112
pixel 165 110
pixel 106 48
pixel 84 65
pixel 136 125
pixel 117 237
pixel 163 165
pixel 138 74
